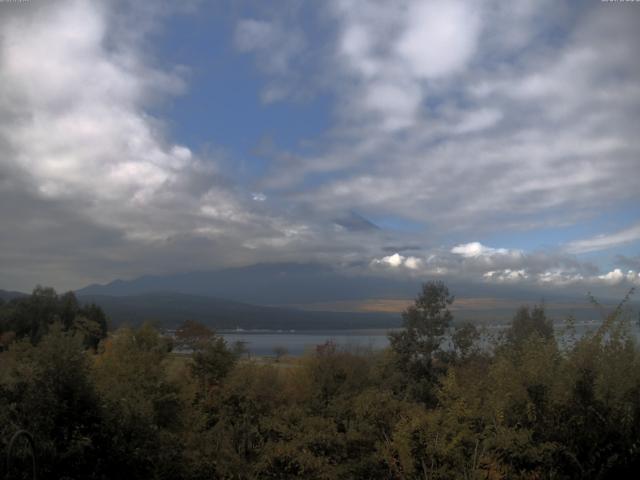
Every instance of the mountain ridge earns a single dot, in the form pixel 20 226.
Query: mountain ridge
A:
pixel 170 309
pixel 262 284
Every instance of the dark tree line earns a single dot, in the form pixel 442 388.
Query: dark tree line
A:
pixel 32 317
pixel 442 402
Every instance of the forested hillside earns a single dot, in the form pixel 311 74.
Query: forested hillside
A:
pixel 522 405
pixel 170 309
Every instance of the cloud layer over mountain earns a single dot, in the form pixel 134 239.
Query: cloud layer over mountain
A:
pixel 449 123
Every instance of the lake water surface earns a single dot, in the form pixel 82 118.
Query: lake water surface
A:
pixel 298 342
pixel 263 343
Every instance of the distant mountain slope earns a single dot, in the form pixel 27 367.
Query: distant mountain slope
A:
pixel 8 295
pixel 170 309
pixel 307 283
pixel 266 284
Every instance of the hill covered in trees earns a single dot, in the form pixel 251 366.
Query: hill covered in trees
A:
pixel 520 405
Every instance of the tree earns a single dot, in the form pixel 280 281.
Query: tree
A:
pixel 142 408
pixel 425 324
pixel 212 359
pixel 91 321
pixel 279 351
pixel 32 317
pixel 193 335
pixel 47 390
pixel 464 340
pixel 240 348
pixel 528 322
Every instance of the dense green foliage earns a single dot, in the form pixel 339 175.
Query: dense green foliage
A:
pixel 523 405
pixel 32 317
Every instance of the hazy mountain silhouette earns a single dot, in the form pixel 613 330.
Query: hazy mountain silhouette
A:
pixel 170 309
pixel 266 284
pixel 247 297
pixel 197 295
pixel 301 283
pixel 8 295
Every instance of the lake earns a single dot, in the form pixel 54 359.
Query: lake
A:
pixel 262 343
pixel 298 342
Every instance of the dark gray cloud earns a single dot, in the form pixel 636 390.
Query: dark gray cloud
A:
pixel 632 263
pixel 400 248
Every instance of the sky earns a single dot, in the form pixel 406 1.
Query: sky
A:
pixel 483 141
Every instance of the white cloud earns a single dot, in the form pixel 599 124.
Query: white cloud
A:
pixel 605 241
pixel 396 102
pixel 559 278
pixel 413 263
pixel 617 276
pixel 476 249
pixel 396 260
pixel 506 276
pixel 538 273
pixel 96 175
pixel 555 113
pixel 394 49
pixel 356 45
pixel 77 127
pixel 475 262
pixel 478 120
pixel 439 38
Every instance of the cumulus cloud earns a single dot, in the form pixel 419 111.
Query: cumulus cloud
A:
pixel 439 39
pixel 559 278
pixel 396 260
pixel 477 263
pixel 91 183
pixel 81 133
pixel 472 260
pixel 506 275
pixel 412 263
pixel 476 249
pixel 617 276
pixel 395 49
